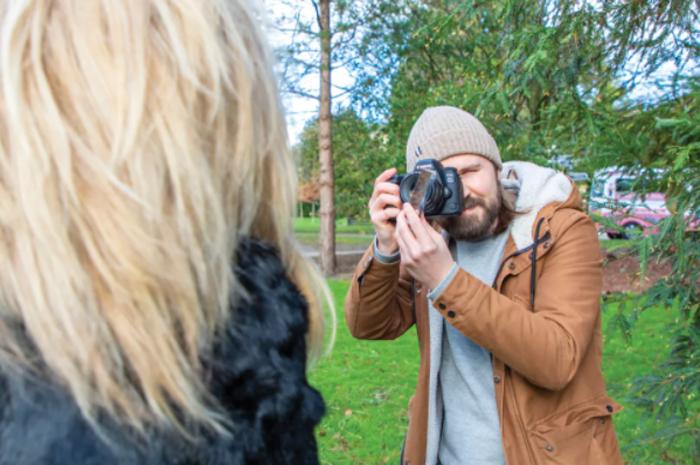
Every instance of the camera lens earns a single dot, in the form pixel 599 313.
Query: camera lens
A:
pixel 406 186
pixel 434 193
pixel 434 198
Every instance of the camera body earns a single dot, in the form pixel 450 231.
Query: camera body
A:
pixel 443 194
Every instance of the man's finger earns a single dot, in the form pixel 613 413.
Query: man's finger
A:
pixel 387 188
pixel 384 188
pixel 404 249
pixel 418 227
pixel 383 201
pixel 386 174
pixel 405 235
pixel 385 214
pixel 435 235
pixel 390 213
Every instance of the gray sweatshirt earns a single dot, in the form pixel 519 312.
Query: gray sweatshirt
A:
pixel 463 425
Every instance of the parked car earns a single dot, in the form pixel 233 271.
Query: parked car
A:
pixel 631 213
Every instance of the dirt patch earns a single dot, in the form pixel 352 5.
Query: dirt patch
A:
pixel 621 272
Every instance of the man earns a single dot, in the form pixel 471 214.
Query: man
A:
pixel 506 309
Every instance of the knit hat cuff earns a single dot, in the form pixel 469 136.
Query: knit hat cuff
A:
pixel 455 142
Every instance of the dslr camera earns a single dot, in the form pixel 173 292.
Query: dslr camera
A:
pixel 442 194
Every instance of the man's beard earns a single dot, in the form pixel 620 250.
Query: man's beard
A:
pixel 471 228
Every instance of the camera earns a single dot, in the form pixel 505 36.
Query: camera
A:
pixel 443 192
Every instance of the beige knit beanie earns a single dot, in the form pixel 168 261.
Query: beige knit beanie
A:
pixel 444 131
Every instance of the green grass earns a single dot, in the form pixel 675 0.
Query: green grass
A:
pixel 614 244
pixel 313 225
pixel 311 238
pixel 367 384
pixel 623 362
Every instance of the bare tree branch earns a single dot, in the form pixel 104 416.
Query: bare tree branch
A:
pixel 318 13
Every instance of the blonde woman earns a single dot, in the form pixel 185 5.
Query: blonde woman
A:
pixel 152 302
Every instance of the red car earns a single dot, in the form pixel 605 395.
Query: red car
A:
pixel 631 213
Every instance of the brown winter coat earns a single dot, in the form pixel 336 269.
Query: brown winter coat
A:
pixel 550 392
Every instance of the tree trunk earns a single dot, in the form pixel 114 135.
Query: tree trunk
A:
pixel 327 208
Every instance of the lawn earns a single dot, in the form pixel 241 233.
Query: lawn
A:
pixel 610 245
pixel 312 225
pixel 367 384
pixel 347 236
pixel 350 239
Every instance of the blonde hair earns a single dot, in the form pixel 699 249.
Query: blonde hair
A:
pixel 140 141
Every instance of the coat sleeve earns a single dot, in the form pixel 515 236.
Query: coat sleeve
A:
pixel 545 345
pixel 379 304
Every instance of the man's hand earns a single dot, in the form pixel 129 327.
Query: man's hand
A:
pixel 424 252
pixel 384 207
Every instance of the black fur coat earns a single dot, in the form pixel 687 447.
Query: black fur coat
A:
pixel 257 372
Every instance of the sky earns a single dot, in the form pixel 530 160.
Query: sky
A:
pixel 299 109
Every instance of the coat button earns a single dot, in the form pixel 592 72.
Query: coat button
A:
pixel 511 266
pixel 451 314
pixel 549 448
pixel 496 379
pixel 442 306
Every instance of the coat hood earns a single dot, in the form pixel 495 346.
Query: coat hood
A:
pixel 536 187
